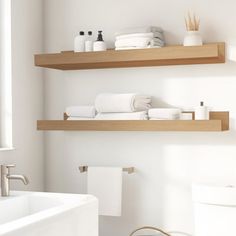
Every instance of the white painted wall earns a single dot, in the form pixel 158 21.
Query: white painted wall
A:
pixel 167 163
pixel 27 82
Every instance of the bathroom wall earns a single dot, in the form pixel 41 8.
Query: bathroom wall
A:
pixel 159 193
pixel 27 89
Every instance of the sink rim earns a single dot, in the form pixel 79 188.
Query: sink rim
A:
pixel 69 202
pixel 214 194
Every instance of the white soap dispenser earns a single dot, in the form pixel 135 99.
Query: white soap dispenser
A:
pixel 99 45
pixel 202 112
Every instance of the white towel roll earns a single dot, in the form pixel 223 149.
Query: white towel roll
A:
pixel 164 113
pixel 142 115
pixel 81 111
pixel 129 102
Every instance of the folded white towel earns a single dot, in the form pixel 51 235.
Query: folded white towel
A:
pixel 81 111
pixel 138 35
pixel 129 102
pixel 79 118
pixel 164 113
pixel 139 30
pixel 155 36
pixel 137 42
pixel 105 183
pixel 131 48
pixel 170 118
pixel 142 115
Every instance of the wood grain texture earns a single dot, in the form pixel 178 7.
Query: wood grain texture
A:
pixel 170 55
pixel 219 122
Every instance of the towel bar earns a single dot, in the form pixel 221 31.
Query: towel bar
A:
pixel 129 170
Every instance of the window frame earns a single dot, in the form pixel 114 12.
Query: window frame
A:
pixel 5 76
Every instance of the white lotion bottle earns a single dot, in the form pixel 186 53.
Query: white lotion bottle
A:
pixel 79 43
pixel 202 112
pixel 89 42
pixel 99 45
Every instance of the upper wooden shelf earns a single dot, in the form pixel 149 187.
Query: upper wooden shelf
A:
pixel 219 121
pixel 170 55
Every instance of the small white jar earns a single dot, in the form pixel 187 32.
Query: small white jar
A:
pixel 193 38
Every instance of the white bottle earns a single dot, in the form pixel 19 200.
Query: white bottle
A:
pixel 79 43
pixel 89 42
pixel 99 45
pixel 202 112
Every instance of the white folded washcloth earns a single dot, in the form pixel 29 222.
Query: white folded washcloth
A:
pixel 155 36
pixel 142 115
pixel 79 118
pixel 137 42
pixel 170 118
pixel 164 113
pixel 139 30
pixel 138 35
pixel 81 111
pixel 130 102
pixel 131 48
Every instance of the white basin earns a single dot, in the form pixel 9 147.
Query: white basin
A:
pixel 215 195
pixel 214 210
pixel 48 214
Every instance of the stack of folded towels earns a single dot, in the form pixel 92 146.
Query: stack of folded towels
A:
pixel 130 106
pixel 139 38
pixel 164 114
pixel 122 106
pixel 113 107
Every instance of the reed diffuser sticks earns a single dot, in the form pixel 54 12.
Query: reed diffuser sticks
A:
pixel 192 22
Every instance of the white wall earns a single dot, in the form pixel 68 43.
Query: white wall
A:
pixel 27 92
pixel 167 163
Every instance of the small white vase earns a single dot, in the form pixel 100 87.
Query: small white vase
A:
pixel 193 38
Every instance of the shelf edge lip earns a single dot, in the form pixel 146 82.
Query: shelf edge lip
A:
pixel 62 125
pixel 67 61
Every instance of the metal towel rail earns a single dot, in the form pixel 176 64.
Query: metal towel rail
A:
pixel 129 170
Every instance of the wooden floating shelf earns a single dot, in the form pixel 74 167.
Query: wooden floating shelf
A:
pixel 219 121
pixel 170 55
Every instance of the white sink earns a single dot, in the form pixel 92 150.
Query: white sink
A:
pixel 215 195
pixel 44 214
pixel 214 210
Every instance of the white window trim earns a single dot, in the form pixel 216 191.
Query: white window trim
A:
pixel 6 76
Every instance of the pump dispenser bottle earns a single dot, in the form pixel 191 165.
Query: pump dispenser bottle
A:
pixel 99 45
pixel 202 112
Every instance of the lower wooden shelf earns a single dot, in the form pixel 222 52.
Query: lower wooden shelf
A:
pixel 219 121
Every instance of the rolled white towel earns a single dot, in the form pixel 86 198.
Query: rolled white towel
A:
pixel 81 111
pixel 137 42
pixel 79 118
pixel 164 113
pixel 130 102
pixel 135 30
pixel 142 115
